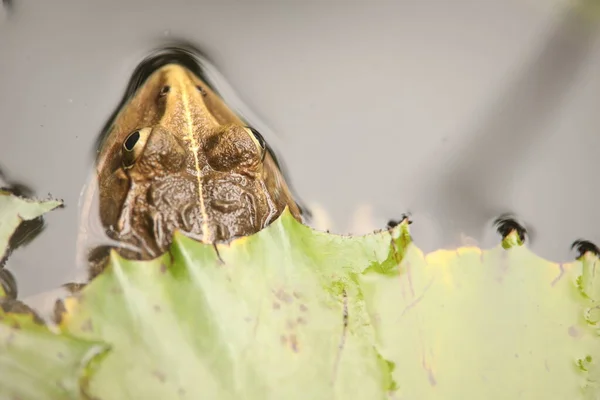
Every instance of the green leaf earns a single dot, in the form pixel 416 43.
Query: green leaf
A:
pixel 298 314
pixel 14 210
pixel 294 313
pixel 37 364
pixel 495 324
pixel 275 315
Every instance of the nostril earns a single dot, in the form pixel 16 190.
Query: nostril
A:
pixel 164 90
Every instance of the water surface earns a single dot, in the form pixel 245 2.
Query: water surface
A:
pixel 455 112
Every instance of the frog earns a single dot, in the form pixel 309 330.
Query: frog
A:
pixel 177 157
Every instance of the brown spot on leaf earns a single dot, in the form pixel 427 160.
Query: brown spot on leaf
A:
pixel 163 268
pixel 157 308
pixel 87 326
pixel 283 296
pixel 431 377
pixel 290 324
pixel 276 305
pixel 294 343
pixel 283 340
pixel 159 375
pixel 181 392
pixel 303 308
pixel 296 295
pixel 573 331
pixel 116 290
pixel 60 355
pixel 300 321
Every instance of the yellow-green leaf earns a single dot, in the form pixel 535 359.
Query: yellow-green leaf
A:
pixel 296 314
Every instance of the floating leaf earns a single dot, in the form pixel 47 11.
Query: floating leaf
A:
pixel 274 315
pixel 37 364
pixel 494 324
pixel 293 313
pixel 14 210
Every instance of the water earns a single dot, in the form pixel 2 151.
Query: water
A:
pixel 456 112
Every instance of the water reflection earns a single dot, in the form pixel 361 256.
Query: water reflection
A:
pixel 474 189
pixel 7 5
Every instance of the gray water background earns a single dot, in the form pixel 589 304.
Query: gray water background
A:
pixel 455 111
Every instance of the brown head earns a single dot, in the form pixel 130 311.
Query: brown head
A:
pixel 176 157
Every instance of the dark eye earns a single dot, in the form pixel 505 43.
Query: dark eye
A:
pixel 259 138
pixel 134 145
pixel 165 89
pixel 131 141
pixel 202 91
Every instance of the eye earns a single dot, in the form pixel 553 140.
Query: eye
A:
pixel 131 141
pixel 201 90
pixel 259 139
pixel 133 146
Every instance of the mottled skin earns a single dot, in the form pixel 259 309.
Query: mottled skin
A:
pixel 195 166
